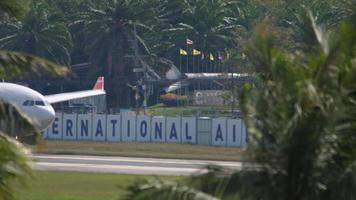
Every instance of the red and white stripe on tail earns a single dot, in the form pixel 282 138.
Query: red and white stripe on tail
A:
pixel 99 85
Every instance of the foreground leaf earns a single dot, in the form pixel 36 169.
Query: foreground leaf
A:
pixel 14 64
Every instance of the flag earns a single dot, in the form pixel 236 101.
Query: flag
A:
pixel 188 41
pixel 211 57
pixel 196 52
pixel 182 52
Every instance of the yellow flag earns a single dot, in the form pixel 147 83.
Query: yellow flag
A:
pixel 196 52
pixel 211 57
pixel 182 52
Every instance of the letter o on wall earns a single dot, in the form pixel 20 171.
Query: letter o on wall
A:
pixel 143 128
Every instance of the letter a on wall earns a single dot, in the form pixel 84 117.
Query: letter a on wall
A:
pixel 173 129
pixel 219 132
pixel 99 127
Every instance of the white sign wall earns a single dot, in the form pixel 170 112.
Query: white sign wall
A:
pixel 218 131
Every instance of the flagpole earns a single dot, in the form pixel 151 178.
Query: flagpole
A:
pixel 198 71
pixel 180 69
pixel 187 58
pixel 193 59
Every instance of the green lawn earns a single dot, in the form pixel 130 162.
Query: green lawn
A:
pixel 77 186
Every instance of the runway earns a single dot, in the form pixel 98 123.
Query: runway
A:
pixel 125 165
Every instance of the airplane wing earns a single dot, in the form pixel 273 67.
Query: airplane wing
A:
pixel 97 90
pixel 215 76
pixel 175 86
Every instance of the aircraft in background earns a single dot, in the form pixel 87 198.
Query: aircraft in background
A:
pixel 38 107
pixel 181 79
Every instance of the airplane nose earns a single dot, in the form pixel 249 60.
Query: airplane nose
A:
pixel 46 118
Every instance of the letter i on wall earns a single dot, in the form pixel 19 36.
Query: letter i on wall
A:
pixel 128 129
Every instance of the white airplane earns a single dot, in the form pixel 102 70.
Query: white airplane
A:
pixel 38 107
pixel 181 78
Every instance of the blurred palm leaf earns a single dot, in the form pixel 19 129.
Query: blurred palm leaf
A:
pixel 13 8
pixel 13 123
pixel 14 64
pixel 14 166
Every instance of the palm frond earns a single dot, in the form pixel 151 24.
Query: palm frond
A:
pixel 13 8
pixel 14 64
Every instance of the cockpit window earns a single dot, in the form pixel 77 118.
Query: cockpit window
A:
pixel 40 103
pixel 28 103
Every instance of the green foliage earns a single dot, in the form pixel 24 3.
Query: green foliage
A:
pixel 157 189
pixel 110 26
pixel 210 24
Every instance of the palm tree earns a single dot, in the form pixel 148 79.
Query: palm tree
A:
pixel 112 27
pixel 210 24
pixel 301 118
pixel 42 33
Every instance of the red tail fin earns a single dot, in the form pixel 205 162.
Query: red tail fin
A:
pixel 99 85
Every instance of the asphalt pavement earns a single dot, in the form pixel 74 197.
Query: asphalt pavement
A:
pixel 125 165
